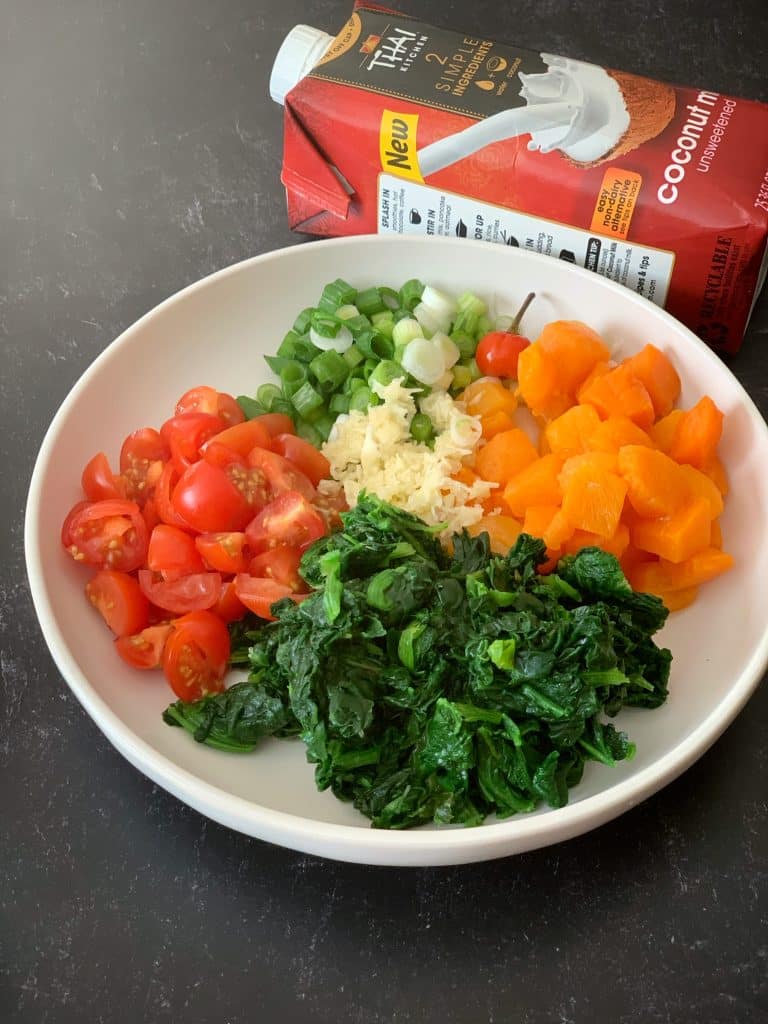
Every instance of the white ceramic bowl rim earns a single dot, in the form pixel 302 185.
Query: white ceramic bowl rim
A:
pixel 380 846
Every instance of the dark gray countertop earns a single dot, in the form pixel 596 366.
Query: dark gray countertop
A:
pixel 141 152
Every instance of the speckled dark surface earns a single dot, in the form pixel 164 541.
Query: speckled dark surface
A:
pixel 140 152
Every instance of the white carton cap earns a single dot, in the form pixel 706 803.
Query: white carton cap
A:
pixel 302 48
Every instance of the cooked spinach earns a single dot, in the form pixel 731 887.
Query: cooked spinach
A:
pixel 437 687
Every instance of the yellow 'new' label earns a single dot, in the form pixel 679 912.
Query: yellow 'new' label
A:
pixel 397 144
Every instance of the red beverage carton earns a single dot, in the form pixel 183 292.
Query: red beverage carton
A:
pixel 396 126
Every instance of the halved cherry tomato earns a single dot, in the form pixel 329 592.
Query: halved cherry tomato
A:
pixel 144 649
pixel 119 600
pixel 281 564
pixel 98 481
pixel 164 492
pixel 276 423
pixel 196 655
pixel 258 595
pixel 289 519
pixel 223 551
pixel 281 475
pixel 243 437
pixel 172 553
pixel 150 513
pixel 217 403
pixel 197 591
pixel 186 433
pixel 312 463
pixel 109 534
pixel 497 353
pixel 221 455
pixel 229 607
pixel 142 458
pixel 330 505
pixel 213 500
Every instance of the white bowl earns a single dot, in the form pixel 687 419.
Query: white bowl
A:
pixel 216 332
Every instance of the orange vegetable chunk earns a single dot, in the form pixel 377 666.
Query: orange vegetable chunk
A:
pixel 664 576
pixel 593 500
pixel 558 531
pixel 576 348
pixel 620 393
pixel 596 462
pixel 570 433
pixel 483 397
pixel 698 434
pixel 537 519
pixel 701 486
pixel 502 531
pixel 614 545
pixel 716 534
pixel 676 600
pixel 615 432
pixel 715 470
pixel 677 536
pixel 598 370
pixel 494 422
pixel 663 432
pixel 655 371
pixel 656 485
pixel 537 484
pixel 537 383
pixel 505 455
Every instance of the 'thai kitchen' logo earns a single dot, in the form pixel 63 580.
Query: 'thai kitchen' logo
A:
pixel 394 50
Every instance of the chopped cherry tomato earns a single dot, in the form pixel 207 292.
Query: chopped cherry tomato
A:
pixel 187 432
pixel 289 519
pixel 498 352
pixel 144 649
pixel 276 423
pixel 221 455
pixel 223 551
pixel 119 600
pixel 243 437
pixel 99 482
pixel 196 655
pixel 214 500
pixel 142 457
pixel 172 553
pixel 304 456
pixel 281 564
pixel 163 494
pixel 190 593
pixel 330 505
pixel 229 607
pixel 209 400
pixel 281 475
pixel 109 534
pixel 258 595
pixel 150 513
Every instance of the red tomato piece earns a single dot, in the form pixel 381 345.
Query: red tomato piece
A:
pixel 228 409
pixel 109 534
pixel 118 598
pixel 163 494
pixel 209 400
pixel 221 455
pixel 186 433
pixel 223 551
pixel 172 553
pixel 330 505
pixel 142 458
pixel 243 437
pixel 150 513
pixel 229 607
pixel 98 481
pixel 213 500
pixel 195 592
pixel 280 474
pixel 304 456
pixel 258 595
pixel 281 564
pixel 144 649
pixel 276 423
pixel 196 655
pixel 289 519
pixel 498 352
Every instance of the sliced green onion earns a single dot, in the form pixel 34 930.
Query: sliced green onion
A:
pixel 401 314
pixel 423 360
pixel 292 376
pixel 484 326
pixel 406 330
pixel 303 320
pixel 347 312
pixel 421 427
pixel 339 341
pixel 369 366
pixel 330 368
pixel 357 323
pixel 337 293
pixel 354 384
pixel 462 377
pixel 449 349
pixel 469 301
pixel 327 325
pixel 339 403
pixel 390 298
pixel 360 399
pixel 353 356
pixel 268 394
pixel 306 431
pixel 324 425
pixel 466 321
pixel 283 405
pixel 384 323
pixel 465 343
pixel 410 293
pixel 431 322
pixel 474 369
pixel 375 345
pixel 385 372
pixel 442 305
pixel 307 401
pixel 276 363
pixel 370 301
pixel 251 406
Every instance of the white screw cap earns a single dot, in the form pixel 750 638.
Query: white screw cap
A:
pixel 301 49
